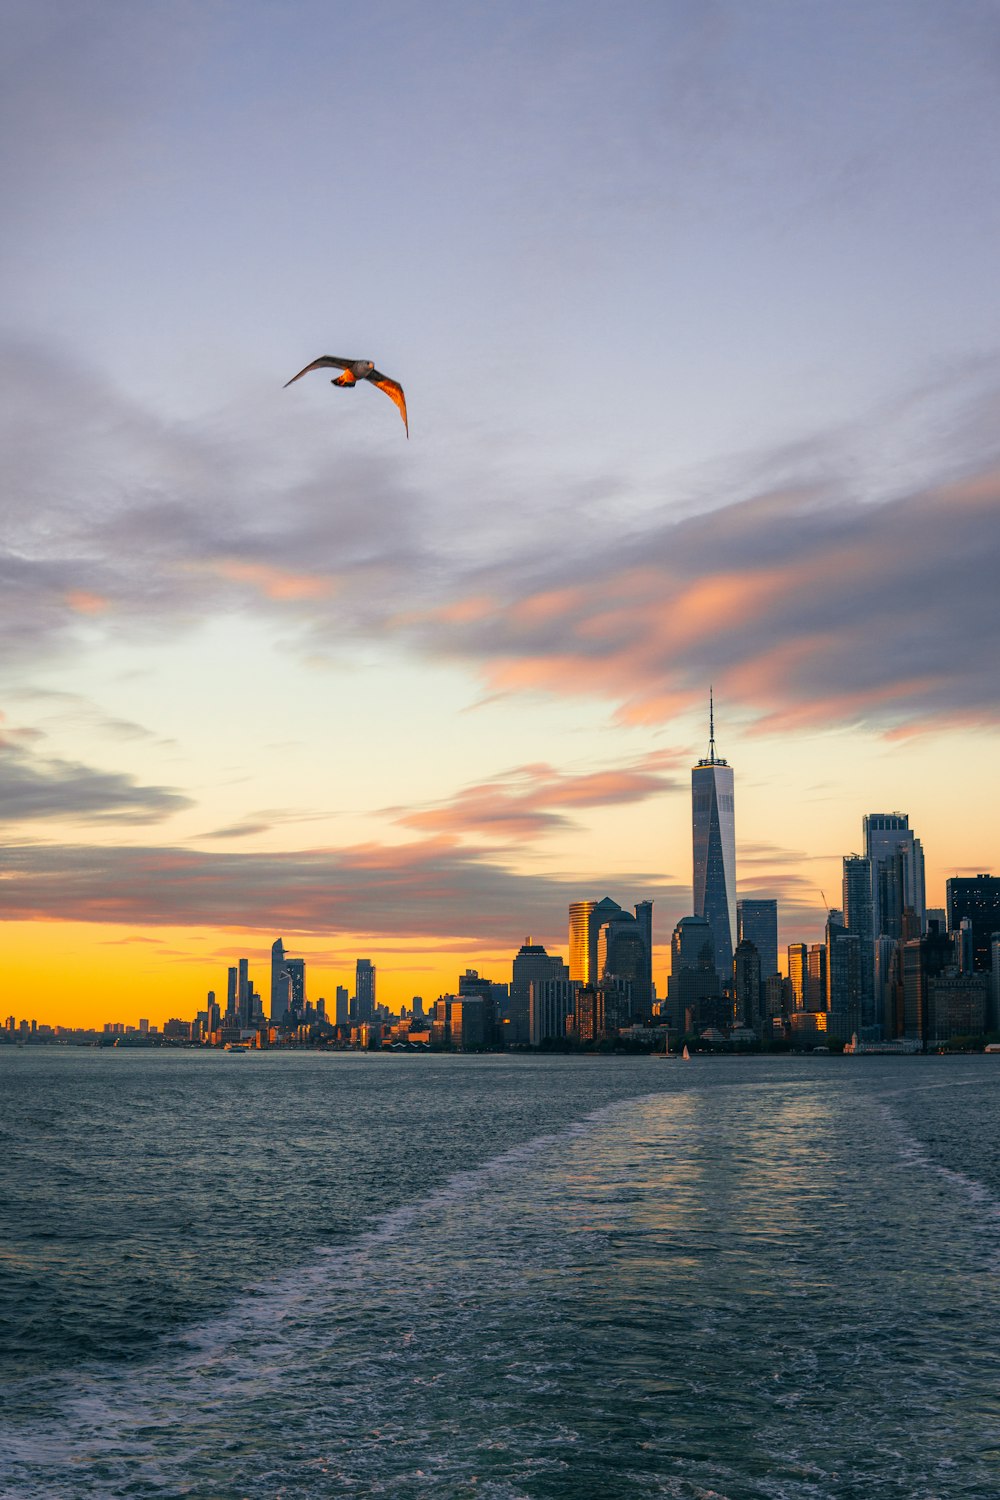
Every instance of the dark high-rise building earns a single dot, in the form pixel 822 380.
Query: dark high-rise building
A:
pixel 644 916
pixel 532 964
pixel 231 994
pixel 713 839
pixel 485 1021
pixel 297 986
pixel 623 953
pixel 843 975
pixel 694 989
pixel 364 990
pixel 601 1010
pixel 747 983
pixel 924 959
pixel 978 898
pixel 757 923
pixel 859 919
pixel 342 1006
pixel 959 1005
pixel 550 1002
pixel 471 1023
pixel 243 992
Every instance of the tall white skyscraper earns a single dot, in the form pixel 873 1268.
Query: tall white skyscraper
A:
pixel 713 829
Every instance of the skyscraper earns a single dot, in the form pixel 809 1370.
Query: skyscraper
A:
pixel 281 992
pixel 586 918
pixel 297 985
pixel 531 966
pixel 757 921
pixel 897 865
pixel 713 829
pixel 798 973
pixel 622 953
pixel 978 898
pixel 859 919
pixel 243 990
pixel 364 989
pixel 746 983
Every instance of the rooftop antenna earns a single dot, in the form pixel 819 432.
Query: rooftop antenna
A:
pixel 711 723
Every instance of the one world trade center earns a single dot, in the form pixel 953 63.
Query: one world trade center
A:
pixel 713 829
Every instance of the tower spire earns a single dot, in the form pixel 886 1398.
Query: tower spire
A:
pixel 711 723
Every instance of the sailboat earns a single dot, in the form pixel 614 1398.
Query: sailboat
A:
pixel 685 1055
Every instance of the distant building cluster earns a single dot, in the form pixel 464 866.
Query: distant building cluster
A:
pixel 890 974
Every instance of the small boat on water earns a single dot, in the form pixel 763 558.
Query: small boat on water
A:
pixel 236 1047
pixel 685 1055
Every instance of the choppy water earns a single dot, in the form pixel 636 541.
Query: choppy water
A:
pixel 514 1279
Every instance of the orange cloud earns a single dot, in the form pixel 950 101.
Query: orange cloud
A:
pixel 274 583
pixel 85 603
pixel 532 800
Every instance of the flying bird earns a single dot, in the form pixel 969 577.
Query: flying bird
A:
pixel 355 370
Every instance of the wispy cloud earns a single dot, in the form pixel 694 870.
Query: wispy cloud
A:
pixel 37 787
pixel 808 599
pixel 432 888
pixel 532 800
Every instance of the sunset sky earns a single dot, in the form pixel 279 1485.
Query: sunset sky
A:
pixel 696 309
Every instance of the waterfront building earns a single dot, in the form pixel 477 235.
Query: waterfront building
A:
pixel 889 986
pixel 713 840
pixel 843 974
pixel 923 959
pixel 471 1025
pixel 815 996
pixel 798 973
pixel 976 897
pixel 531 965
pixel 550 1002
pixel 958 1005
pixel 601 1010
pixel 472 986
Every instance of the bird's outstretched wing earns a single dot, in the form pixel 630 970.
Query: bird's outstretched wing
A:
pixel 394 391
pixel 325 362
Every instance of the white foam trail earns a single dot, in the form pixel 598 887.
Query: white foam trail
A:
pixel 914 1153
pixel 275 1299
pixel 237 1355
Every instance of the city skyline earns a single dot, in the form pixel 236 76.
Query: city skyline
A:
pixel 266 667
